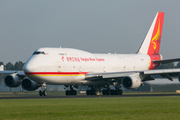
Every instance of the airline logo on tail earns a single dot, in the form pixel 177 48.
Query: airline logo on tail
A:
pixel 154 45
pixel 156 37
pixel 151 43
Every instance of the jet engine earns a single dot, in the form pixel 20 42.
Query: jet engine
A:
pixel 12 80
pixel 131 82
pixel 29 85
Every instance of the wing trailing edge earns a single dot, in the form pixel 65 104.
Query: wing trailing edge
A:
pixel 167 73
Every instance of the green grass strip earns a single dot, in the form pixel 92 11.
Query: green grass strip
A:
pixel 126 108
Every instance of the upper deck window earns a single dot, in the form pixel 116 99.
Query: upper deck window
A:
pixel 38 52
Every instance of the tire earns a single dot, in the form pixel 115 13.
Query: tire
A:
pixel 108 92
pixel 94 92
pixel 116 92
pixel 112 92
pixel 40 93
pixel 120 92
pixel 87 92
pixel 103 92
pixel 45 93
pixel 67 92
pixel 74 92
pixel 91 92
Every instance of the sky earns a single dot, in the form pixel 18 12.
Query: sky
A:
pixel 97 26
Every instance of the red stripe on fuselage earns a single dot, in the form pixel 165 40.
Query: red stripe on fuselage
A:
pixel 62 73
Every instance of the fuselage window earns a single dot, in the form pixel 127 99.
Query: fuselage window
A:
pixel 38 52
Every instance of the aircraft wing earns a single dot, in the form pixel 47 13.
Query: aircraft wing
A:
pixel 168 73
pixel 19 73
pixel 107 75
pixel 166 61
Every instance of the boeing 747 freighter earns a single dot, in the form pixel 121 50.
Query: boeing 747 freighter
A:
pixel 73 67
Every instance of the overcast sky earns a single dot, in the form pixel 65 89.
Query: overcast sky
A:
pixel 98 26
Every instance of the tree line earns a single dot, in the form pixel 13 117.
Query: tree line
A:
pixel 9 66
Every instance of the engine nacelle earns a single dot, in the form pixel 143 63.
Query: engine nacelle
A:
pixel 131 82
pixel 12 80
pixel 29 85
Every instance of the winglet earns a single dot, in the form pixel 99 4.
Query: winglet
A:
pixel 151 43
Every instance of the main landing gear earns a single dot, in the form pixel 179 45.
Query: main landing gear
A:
pixel 112 92
pixel 93 91
pixel 107 91
pixel 71 91
pixel 43 92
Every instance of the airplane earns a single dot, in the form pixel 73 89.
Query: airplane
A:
pixel 73 67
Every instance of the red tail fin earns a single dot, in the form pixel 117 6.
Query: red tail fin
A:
pixel 154 45
pixel 151 43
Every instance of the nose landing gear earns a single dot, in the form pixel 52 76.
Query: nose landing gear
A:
pixel 43 92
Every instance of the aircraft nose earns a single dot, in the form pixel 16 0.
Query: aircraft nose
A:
pixel 27 67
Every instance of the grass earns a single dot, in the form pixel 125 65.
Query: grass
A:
pixel 126 108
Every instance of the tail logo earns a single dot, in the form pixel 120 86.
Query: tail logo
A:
pixel 156 37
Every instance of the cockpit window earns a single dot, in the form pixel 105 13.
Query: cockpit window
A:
pixel 38 52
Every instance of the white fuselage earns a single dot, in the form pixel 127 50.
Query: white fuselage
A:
pixel 66 66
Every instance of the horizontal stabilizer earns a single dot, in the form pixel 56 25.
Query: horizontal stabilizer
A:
pixel 166 61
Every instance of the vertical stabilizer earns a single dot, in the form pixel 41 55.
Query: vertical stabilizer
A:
pixel 151 43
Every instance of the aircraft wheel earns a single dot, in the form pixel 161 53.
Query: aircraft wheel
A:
pixel 108 92
pixel 40 93
pixel 74 92
pixel 45 93
pixel 94 92
pixel 103 92
pixel 116 92
pixel 67 92
pixel 120 92
pixel 87 92
pixel 71 92
pixel 91 92
pixel 112 92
